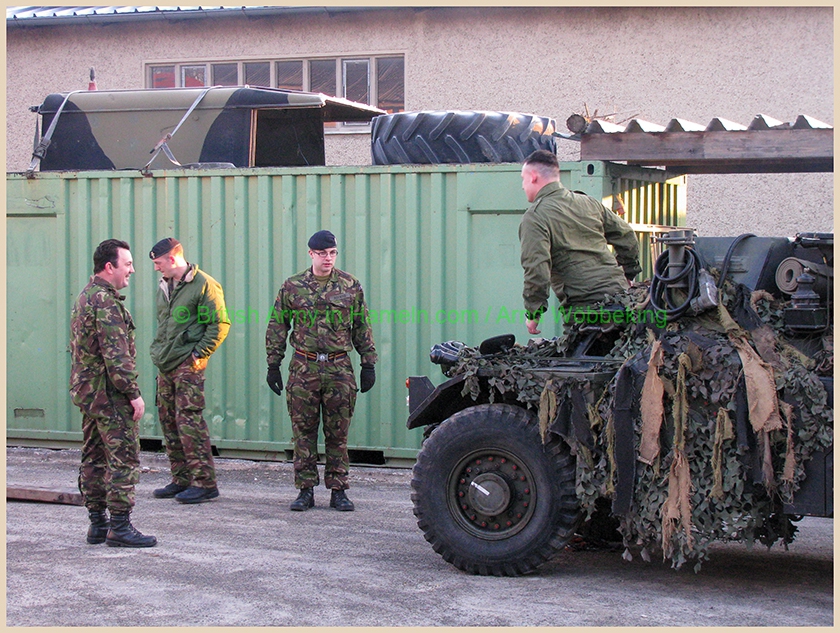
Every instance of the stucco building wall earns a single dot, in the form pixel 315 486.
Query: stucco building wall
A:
pixel 694 63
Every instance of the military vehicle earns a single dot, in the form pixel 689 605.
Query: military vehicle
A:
pixel 220 126
pixel 528 446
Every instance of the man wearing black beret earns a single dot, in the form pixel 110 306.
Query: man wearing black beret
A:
pixel 192 322
pixel 323 312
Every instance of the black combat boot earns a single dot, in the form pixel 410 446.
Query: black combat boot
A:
pixel 123 534
pixel 169 491
pixel 194 494
pixel 98 529
pixel 340 502
pixel 304 501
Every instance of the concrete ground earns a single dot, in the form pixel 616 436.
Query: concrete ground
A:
pixel 245 560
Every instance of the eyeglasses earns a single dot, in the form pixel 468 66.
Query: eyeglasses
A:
pixel 327 254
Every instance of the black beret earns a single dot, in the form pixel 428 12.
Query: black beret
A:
pixel 163 247
pixel 322 240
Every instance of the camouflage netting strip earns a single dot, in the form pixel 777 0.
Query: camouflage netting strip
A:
pixel 709 473
pixel 676 511
pixel 548 408
pixel 723 432
pixel 652 406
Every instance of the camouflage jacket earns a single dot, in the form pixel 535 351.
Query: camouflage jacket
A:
pixel 565 238
pixel 101 344
pixel 193 318
pixel 329 318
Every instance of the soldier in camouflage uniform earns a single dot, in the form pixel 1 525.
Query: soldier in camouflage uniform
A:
pixel 326 312
pixel 103 384
pixel 565 238
pixel 192 322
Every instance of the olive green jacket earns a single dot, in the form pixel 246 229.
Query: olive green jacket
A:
pixel 565 238
pixel 192 319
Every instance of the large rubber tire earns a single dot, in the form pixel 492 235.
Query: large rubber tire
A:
pixel 489 497
pixel 459 137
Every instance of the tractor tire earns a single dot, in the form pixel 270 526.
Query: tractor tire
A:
pixel 459 137
pixel 489 497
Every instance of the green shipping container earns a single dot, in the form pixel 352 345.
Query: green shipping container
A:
pixel 435 247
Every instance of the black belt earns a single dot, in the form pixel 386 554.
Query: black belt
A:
pixel 320 356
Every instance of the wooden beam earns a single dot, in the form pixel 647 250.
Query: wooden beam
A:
pixel 749 167
pixel 717 152
pixel 44 495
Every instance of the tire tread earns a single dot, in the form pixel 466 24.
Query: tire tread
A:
pixel 458 137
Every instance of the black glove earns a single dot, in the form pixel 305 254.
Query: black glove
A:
pixel 368 377
pixel 275 379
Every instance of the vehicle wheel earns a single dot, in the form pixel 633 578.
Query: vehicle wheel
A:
pixel 459 137
pixel 489 497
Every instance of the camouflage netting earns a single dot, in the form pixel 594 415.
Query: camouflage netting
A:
pixel 721 432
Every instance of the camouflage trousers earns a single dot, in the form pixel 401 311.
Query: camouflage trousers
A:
pixel 110 466
pixel 317 389
pixel 180 404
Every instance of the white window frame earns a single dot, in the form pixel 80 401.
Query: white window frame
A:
pixel 340 79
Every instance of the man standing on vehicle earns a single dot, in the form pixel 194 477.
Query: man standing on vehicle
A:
pixel 325 309
pixel 103 384
pixel 564 238
pixel 192 322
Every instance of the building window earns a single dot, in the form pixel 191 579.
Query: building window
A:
pixel 356 78
pixel 390 83
pixel 322 76
pixel 193 76
pixel 378 81
pixel 163 77
pixel 225 74
pixel 289 75
pixel 257 73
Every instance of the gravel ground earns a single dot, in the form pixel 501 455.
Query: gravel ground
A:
pixel 245 560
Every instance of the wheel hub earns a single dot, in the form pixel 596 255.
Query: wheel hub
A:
pixel 491 494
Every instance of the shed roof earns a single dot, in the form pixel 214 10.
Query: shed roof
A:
pixel 60 15
pixel 765 145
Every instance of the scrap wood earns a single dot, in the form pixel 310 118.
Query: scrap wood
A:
pixel 43 494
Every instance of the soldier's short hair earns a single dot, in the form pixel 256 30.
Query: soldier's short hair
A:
pixel 545 163
pixel 107 252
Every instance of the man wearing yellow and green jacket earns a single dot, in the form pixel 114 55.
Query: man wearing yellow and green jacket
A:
pixel 192 322
pixel 565 238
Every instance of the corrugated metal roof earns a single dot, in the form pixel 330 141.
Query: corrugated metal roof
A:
pixel 717 124
pixel 764 145
pixel 24 13
pixel 56 15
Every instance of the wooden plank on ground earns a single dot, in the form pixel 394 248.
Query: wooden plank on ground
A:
pixel 43 494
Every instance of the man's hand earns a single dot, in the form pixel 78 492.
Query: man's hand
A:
pixel 139 408
pixel 532 326
pixel 275 379
pixel 198 364
pixel 368 377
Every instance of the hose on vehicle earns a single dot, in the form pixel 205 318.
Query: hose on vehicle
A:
pixel 685 286
pixel 725 267
pixel 663 287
